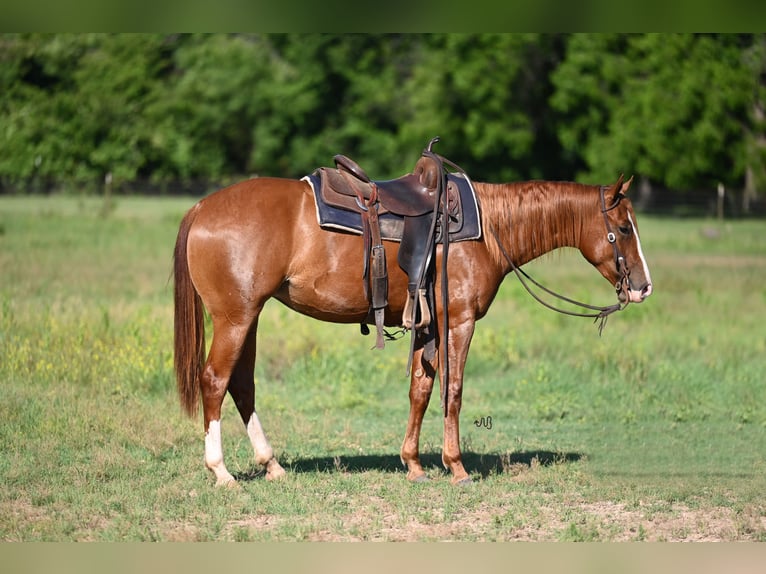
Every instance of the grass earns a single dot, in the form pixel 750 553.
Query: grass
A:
pixel 654 431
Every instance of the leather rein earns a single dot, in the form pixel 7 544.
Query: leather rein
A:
pixel 622 286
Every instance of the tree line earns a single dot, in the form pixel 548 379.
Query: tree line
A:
pixel 683 112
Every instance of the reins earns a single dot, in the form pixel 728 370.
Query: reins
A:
pixel 441 203
pixel 603 312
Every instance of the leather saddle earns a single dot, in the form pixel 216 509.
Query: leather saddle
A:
pixel 414 209
pixel 411 195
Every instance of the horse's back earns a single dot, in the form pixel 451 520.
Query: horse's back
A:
pixel 245 203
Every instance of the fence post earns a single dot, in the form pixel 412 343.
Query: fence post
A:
pixel 108 205
pixel 721 196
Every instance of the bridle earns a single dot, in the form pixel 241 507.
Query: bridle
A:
pixel 621 286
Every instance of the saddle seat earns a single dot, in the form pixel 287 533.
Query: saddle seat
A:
pixel 411 195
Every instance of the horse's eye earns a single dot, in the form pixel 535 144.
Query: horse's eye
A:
pixel 625 229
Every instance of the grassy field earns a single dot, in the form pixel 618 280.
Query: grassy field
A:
pixel 654 431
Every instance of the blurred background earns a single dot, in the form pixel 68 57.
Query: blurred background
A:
pixel 188 113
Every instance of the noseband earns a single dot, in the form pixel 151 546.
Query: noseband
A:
pixel 622 286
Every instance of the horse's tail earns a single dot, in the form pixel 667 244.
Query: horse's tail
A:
pixel 188 325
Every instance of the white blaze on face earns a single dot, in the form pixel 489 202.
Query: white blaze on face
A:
pixel 638 296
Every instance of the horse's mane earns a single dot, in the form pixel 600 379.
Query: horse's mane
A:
pixel 534 217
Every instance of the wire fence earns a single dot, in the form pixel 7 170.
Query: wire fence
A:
pixel 721 202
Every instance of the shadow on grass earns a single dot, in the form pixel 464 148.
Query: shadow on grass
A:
pixel 483 464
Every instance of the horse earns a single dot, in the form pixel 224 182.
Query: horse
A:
pixel 259 239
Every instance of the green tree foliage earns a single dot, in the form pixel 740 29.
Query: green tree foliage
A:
pixel 675 108
pixel 486 95
pixel 329 94
pixel 202 124
pixel 684 111
pixel 74 107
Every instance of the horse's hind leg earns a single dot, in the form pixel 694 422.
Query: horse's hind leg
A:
pixel 225 351
pixel 242 390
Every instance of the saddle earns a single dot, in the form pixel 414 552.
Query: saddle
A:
pixel 420 210
pixel 411 195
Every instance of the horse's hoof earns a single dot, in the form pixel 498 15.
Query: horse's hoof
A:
pixel 274 470
pixel 417 477
pixel 227 482
pixel 276 474
pixel 463 481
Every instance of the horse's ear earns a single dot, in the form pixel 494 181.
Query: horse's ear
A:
pixel 626 185
pixel 620 188
pixel 613 194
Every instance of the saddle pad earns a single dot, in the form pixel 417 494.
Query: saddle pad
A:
pixel 391 226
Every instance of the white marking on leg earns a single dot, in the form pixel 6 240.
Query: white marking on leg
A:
pixel 214 454
pixel 261 446
pixel 264 454
pixel 641 254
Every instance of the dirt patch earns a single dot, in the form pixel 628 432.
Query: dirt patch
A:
pixel 602 521
pixel 618 523
pixel 21 512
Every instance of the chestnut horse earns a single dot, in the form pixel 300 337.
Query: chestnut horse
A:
pixel 259 239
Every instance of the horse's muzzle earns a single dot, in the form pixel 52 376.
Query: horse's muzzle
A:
pixel 637 296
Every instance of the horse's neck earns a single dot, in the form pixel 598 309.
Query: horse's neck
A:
pixel 533 218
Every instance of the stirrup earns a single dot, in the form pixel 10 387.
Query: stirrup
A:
pixel 425 314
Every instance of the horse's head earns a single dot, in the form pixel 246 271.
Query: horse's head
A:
pixel 610 242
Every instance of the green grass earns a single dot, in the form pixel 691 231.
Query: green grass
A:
pixel 654 431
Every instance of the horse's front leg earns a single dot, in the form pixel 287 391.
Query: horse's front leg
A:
pixel 459 341
pixel 421 385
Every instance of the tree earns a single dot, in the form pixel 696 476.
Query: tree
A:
pixel 755 131
pixel 684 111
pixel 674 108
pixel 203 122
pixel 75 106
pixel 485 96
pixel 330 94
